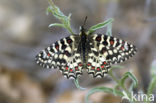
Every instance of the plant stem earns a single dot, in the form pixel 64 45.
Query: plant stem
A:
pixel 122 87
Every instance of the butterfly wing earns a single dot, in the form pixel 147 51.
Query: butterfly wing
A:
pixel 107 50
pixel 63 55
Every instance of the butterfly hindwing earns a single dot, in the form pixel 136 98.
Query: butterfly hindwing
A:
pixel 63 55
pixel 97 65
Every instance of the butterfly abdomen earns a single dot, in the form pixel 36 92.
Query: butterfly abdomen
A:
pixel 83 46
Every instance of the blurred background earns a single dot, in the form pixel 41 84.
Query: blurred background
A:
pixel 24 32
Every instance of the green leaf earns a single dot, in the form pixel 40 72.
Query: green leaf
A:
pixel 97 89
pixel 153 71
pixel 69 16
pixel 99 26
pixel 152 86
pixel 56 12
pixel 101 89
pixel 109 30
pixel 56 24
pixel 78 85
pixel 131 76
pixel 48 10
pixel 131 87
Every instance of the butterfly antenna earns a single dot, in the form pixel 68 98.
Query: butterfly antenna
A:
pixel 85 21
pixel 82 27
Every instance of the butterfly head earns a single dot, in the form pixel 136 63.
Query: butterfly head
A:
pixel 82 29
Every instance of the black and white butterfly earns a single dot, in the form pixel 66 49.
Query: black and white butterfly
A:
pixel 94 52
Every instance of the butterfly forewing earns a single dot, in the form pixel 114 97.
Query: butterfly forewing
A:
pixel 115 50
pixel 63 54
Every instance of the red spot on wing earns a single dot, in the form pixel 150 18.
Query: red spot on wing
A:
pixel 93 67
pixel 98 68
pixel 89 64
pixel 76 68
pixel 67 68
pixel 123 42
pixel 69 41
pixel 102 66
pixel 111 42
pixel 57 47
pixel 80 64
pixel 104 63
pixel 48 54
pixel 122 48
pixel 71 70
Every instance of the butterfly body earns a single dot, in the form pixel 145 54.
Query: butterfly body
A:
pixel 94 52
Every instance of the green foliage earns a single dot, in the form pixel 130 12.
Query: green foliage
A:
pixel 100 25
pixel 131 76
pixel 101 89
pixel 118 88
pixel 57 24
pixel 109 29
pixel 152 85
pixel 76 81
pixel 65 20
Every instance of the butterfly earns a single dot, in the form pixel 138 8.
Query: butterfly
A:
pixel 94 52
